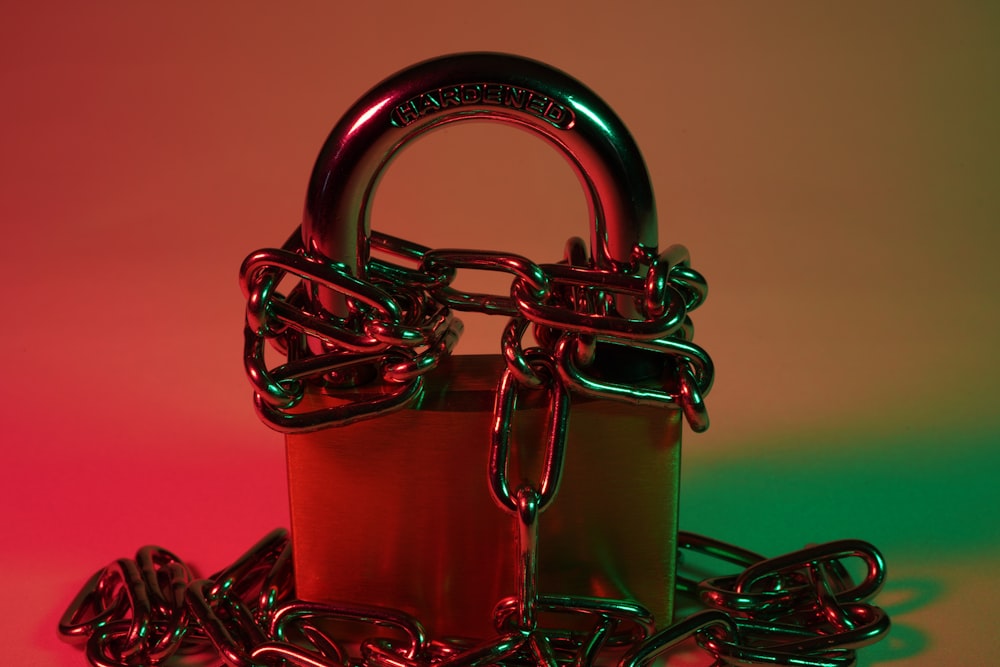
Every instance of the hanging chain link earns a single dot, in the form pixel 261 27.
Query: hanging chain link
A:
pixel 398 322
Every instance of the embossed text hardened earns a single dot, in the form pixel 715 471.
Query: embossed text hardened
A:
pixel 357 321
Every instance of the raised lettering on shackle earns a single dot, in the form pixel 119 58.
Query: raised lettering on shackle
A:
pixel 515 98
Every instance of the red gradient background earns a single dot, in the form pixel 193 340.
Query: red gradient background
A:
pixel 832 167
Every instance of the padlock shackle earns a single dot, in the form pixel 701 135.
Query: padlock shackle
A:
pixel 479 86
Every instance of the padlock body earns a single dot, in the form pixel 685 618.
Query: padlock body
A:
pixel 396 510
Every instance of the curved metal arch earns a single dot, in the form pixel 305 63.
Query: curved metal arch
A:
pixel 479 86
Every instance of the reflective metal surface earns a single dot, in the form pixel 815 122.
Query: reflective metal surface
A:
pixel 511 89
pixel 397 511
pixel 144 610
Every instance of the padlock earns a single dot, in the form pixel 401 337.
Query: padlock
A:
pixel 392 503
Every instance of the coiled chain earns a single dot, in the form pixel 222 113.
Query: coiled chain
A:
pixel 396 324
pixel 801 609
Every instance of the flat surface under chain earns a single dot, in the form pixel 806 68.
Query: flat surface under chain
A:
pixel 803 608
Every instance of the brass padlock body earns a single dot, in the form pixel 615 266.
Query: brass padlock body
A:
pixel 396 510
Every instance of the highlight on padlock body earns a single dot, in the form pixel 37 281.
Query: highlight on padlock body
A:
pixel 388 434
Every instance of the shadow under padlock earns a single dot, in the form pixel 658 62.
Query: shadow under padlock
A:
pixel 403 491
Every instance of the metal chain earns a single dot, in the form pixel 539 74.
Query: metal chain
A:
pixel 802 608
pixel 397 323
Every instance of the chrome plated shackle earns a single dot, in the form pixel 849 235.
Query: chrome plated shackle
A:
pixel 478 86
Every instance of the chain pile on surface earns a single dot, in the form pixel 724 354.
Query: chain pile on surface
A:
pixel 392 326
pixel 801 609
